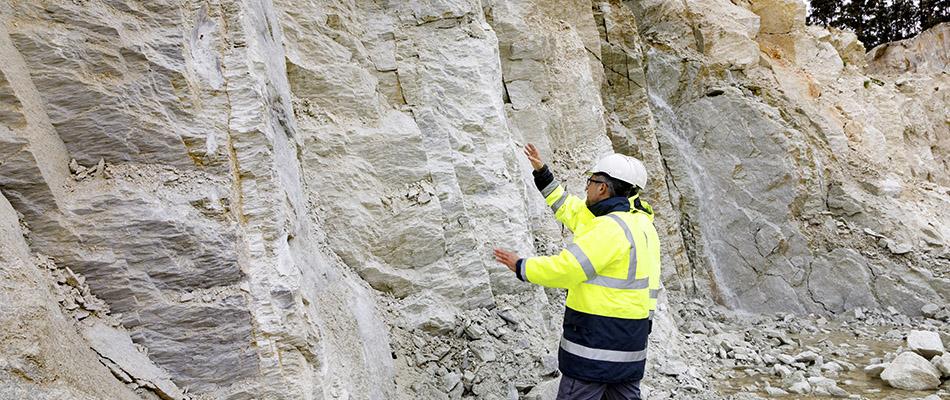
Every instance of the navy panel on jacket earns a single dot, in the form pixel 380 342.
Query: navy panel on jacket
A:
pixel 606 333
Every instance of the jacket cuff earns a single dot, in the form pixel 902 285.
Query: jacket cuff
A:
pixel 519 270
pixel 543 177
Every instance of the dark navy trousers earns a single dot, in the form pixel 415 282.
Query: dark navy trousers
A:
pixel 576 389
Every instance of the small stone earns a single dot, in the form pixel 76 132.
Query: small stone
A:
pixel 74 280
pixel 500 332
pixel 785 358
pixel 837 392
pixel 100 168
pixel 418 341
pixel 899 248
pixel 74 166
pixel 782 370
pixel 510 316
pixel 548 364
pixel 800 387
pixel 874 370
pixel 696 326
pixel 775 392
pixel 807 356
pixel 859 313
pixel 483 350
pixel 821 381
pixel 831 366
pixel 942 363
pixel 673 368
pixel 929 310
pixel 450 380
pixel 475 331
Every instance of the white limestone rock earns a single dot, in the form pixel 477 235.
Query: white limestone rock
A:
pixel 780 16
pixel 925 53
pixel 874 370
pixel 910 371
pixel 925 343
pixel 42 356
pixel 117 347
pixel 943 364
pixel 728 32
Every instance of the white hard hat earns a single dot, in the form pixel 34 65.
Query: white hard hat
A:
pixel 624 168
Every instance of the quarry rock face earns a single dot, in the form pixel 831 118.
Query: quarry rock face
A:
pixel 299 200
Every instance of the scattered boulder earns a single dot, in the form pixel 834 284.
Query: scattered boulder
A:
pixel 925 343
pixel 942 363
pixel 929 310
pixel 874 370
pixel 782 370
pixel 836 391
pixel 807 356
pixel 800 387
pixel 673 368
pixel 775 392
pixel 910 371
pixel 546 390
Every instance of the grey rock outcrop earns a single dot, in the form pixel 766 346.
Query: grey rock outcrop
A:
pixel 910 371
pixel 43 355
pixel 287 199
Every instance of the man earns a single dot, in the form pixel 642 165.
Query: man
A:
pixel 611 272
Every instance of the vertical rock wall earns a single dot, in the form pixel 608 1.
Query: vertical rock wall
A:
pixel 288 199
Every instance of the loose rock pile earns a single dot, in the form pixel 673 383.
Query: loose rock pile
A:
pixel 910 369
pixel 788 355
pixel 481 353
pixel 125 359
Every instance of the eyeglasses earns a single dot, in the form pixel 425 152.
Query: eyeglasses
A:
pixel 592 180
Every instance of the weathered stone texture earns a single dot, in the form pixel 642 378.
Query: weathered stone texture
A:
pixel 287 199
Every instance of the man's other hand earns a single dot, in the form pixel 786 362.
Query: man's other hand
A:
pixel 508 258
pixel 534 156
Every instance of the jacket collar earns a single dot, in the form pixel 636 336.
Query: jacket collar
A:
pixel 609 205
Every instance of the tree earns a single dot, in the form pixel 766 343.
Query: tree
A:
pixel 880 21
pixel 933 12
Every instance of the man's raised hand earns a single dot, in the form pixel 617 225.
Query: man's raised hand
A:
pixel 534 156
pixel 506 257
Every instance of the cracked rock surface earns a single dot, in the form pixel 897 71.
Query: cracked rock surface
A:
pixel 284 199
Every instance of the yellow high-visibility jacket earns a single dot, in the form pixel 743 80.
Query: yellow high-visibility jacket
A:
pixel 605 273
pixel 612 274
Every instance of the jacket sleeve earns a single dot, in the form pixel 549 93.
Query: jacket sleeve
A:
pixel 590 253
pixel 570 210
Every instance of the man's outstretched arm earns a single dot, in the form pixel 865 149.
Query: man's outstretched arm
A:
pixel 570 210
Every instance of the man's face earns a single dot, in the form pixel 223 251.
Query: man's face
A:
pixel 596 189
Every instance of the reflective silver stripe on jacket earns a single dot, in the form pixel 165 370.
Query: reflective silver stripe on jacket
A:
pixel 550 188
pixel 631 282
pixel 560 202
pixel 601 354
pixel 594 279
pixel 583 260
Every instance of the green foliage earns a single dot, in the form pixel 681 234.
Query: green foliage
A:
pixel 880 21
